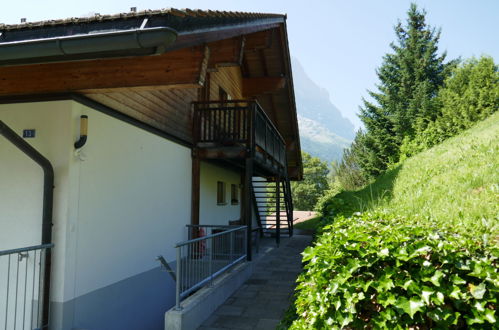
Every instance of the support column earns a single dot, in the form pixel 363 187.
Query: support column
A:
pixel 278 210
pixel 247 204
pixel 195 191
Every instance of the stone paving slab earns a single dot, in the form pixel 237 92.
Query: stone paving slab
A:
pixel 260 303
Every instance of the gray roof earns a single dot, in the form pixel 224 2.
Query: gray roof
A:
pixel 179 14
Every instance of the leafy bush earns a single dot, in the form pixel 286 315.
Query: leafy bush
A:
pixel 380 271
pixel 307 192
pixel 469 95
pixel 325 203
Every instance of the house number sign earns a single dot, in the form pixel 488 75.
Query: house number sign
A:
pixel 29 133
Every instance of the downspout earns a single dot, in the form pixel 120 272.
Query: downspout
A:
pixel 48 198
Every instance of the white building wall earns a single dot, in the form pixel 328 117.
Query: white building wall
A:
pixel 21 182
pixel 210 213
pixel 134 200
pixel 21 195
pixel 124 199
pixel 21 188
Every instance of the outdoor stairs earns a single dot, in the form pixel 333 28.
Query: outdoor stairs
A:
pixel 265 202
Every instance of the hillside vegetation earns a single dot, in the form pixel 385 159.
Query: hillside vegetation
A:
pixel 455 184
pixel 417 248
pixel 409 234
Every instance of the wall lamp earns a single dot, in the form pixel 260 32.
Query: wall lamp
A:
pixel 83 132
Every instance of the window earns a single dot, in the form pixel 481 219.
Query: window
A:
pixel 221 193
pixel 234 194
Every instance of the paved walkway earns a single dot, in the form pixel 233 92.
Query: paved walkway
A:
pixel 301 216
pixel 261 302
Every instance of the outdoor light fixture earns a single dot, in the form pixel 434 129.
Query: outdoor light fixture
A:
pixel 83 132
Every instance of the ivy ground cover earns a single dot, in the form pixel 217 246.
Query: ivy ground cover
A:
pixel 379 271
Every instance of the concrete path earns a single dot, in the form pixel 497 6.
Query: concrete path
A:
pixel 301 216
pixel 261 302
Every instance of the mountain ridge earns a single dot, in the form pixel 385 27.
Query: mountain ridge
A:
pixel 324 131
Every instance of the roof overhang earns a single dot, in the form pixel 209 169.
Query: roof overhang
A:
pixel 154 50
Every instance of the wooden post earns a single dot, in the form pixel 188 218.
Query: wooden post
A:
pixel 247 204
pixel 248 177
pixel 196 169
pixel 278 210
pixel 195 191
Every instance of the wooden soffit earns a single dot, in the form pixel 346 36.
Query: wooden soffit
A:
pixel 179 68
pixel 253 87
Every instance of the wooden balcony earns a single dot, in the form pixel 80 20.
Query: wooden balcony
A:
pixel 238 129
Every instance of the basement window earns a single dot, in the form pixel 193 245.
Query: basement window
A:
pixel 234 194
pixel 221 193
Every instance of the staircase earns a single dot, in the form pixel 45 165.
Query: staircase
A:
pixel 267 196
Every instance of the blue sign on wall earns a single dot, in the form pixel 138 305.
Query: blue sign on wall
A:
pixel 29 133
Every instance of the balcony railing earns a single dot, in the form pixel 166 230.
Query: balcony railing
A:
pixel 22 287
pixel 238 123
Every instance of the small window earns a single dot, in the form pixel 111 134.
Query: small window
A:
pixel 234 194
pixel 221 193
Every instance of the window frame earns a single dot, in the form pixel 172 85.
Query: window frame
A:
pixel 234 194
pixel 221 193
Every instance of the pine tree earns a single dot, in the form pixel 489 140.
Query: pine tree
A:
pixel 405 101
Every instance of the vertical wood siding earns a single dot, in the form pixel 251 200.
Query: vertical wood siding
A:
pixel 166 109
pixel 230 79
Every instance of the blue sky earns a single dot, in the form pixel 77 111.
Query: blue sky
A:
pixel 340 43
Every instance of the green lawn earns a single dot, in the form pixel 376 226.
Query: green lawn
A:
pixel 453 185
pixel 310 224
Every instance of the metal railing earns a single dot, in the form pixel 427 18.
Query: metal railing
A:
pixel 201 259
pixel 238 122
pixel 22 287
pixel 195 231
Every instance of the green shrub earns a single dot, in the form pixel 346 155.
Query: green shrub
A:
pixel 469 95
pixel 380 271
pixel 324 205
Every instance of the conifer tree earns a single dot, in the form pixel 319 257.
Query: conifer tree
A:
pixel 404 104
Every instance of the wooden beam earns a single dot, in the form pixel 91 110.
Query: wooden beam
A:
pixel 257 86
pixel 278 210
pixel 263 62
pixel 295 173
pixel 180 67
pixel 226 53
pixel 136 89
pixel 259 40
pixel 246 200
pixel 245 68
pixel 222 153
pixel 204 65
pixel 195 191
pixel 241 51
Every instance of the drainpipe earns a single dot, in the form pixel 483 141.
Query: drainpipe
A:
pixel 48 197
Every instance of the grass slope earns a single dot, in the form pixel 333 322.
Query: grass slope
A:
pixel 455 184
pixel 423 254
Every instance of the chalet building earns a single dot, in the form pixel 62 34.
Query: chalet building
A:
pixel 123 135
